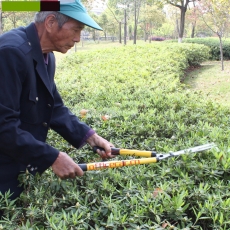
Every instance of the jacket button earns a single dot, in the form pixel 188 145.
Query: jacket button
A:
pixel 36 98
pixel 44 124
pixel 49 105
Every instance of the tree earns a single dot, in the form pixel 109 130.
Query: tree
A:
pixel 116 15
pixel 88 3
pixel 215 14
pixel 137 6
pixel 182 5
pixel 151 18
pixel 121 5
pixel 103 21
pixel 112 27
pixel 132 9
pixel 193 15
pixel 166 30
pixel 1 19
pixel 10 20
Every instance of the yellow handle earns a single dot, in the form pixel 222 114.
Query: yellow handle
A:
pixel 130 152
pixel 136 153
pixel 116 164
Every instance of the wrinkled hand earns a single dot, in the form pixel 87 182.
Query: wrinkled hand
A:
pixel 96 140
pixel 64 167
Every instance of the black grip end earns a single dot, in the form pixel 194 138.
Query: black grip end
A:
pixel 114 151
pixel 153 154
pixel 83 167
pixel 95 148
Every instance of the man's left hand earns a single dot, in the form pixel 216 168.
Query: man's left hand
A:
pixel 96 140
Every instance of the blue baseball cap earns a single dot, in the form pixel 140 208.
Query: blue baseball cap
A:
pixel 76 10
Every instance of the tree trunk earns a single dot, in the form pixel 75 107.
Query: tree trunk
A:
pixel 150 32
pixel 221 52
pixel 137 12
pixel 120 32
pixel 135 23
pixel 75 47
pixel 193 29
pixel 130 33
pixel 14 20
pixel 182 22
pixel 193 23
pixel 98 37
pixel 125 28
pixel 183 9
pixel 177 27
pixel 146 35
pixel 94 35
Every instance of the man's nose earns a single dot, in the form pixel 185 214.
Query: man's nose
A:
pixel 77 37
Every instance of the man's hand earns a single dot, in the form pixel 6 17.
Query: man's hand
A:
pixel 64 167
pixel 96 140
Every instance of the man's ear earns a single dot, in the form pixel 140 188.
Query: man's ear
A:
pixel 50 22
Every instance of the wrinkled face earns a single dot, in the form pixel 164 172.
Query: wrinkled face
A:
pixel 62 39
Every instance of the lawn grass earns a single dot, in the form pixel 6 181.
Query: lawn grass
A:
pixel 211 81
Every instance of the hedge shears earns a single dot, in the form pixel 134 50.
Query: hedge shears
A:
pixel 151 157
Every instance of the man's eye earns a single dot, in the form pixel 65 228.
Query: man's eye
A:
pixel 76 31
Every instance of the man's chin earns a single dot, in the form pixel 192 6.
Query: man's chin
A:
pixel 64 49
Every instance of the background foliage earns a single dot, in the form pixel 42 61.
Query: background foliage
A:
pixel 134 98
pixel 213 44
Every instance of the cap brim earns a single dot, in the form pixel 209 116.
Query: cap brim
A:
pixel 83 18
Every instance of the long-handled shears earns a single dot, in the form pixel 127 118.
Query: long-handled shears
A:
pixel 152 157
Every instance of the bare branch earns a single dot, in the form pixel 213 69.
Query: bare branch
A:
pixel 112 13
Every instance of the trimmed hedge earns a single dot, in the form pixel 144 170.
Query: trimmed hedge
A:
pixel 213 44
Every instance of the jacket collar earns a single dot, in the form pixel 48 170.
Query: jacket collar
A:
pixel 37 55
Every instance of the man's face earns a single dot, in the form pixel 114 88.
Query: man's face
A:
pixel 63 39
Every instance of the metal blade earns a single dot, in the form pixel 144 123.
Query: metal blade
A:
pixel 190 150
pixel 194 149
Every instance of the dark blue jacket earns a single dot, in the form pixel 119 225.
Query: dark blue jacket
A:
pixel 29 105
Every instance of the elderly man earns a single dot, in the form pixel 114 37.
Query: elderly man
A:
pixel 30 103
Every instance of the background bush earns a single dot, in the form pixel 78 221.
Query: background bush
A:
pixel 157 38
pixel 138 89
pixel 213 44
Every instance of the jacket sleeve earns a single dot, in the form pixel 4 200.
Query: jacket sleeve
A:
pixel 67 124
pixel 15 142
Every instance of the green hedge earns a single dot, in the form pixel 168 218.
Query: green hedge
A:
pixel 213 44
pixel 138 88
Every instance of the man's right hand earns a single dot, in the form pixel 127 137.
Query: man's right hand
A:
pixel 64 167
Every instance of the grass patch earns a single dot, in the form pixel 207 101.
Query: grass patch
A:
pixel 211 81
